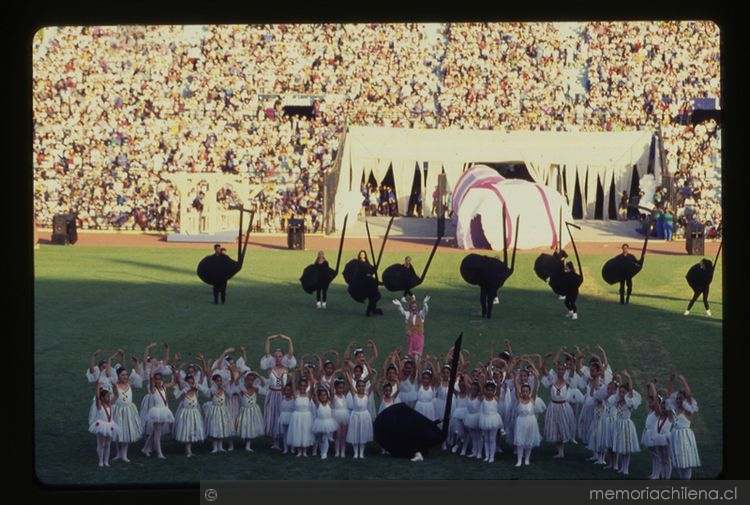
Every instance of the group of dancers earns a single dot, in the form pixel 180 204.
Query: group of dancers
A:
pixel 322 399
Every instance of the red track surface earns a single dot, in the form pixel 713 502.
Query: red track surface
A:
pixel 317 242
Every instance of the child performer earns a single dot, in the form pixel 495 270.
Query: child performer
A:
pixel 124 410
pixel 340 412
pixel 159 414
pixel 684 449
pixel 299 434
pixel 559 419
pixel 414 327
pixel 249 423
pixel 103 426
pixel 359 431
pixel 189 427
pixel 279 365
pixel 324 425
pixel 526 434
pixel 625 439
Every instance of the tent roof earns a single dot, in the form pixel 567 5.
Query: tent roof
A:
pixel 603 149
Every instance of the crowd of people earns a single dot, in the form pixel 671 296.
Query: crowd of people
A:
pixel 317 399
pixel 118 109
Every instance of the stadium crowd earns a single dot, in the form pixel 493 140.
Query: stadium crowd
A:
pixel 118 109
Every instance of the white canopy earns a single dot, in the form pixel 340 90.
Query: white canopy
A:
pixel 592 156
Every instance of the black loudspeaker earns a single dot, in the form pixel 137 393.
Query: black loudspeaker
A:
pixel 296 234
pixel 695 239
pixel 64 229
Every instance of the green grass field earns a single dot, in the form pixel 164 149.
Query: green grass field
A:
pixel 88 298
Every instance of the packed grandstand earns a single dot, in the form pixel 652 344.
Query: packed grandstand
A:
pixel 116 109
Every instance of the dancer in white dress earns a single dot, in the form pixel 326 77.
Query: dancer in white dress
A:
pixel 598 366
pixel 324 425
pixel 189 427
pixel 457 427
pixel 104 374
pixel 285 415
pixel 407 379
pixel 559 419
pixel 490 421
pixel 152 364
pixel 426 395
pixel 216 419
pixel 661 437
pixel 363 368
pixel 471 420
pixel 278 376
pixel 125 412
pixel 360 420
pixel 384 390
pixel 249 423
pixel 441 395
pixel 625 439
pixel 603 424
pixel 299 434
pixel 103 426
pixel 652 402
pixel 684 448
pixel 526 433
pixel 159 415
pixel 340 412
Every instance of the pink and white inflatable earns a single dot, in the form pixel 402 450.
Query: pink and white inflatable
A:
pixel 477 203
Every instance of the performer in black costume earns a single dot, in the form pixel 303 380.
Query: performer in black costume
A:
pixel 362 277
pixel 322 271
pixel 570 281
pixel 402 277
pixel 627 281
pixel 489 273
pixel 623 267
pixel 364 284
pixel 218 268
pixel 410 268
pixel 550 267
pixel 699 278
pixel 318 276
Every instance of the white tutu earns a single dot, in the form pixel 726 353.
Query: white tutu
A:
pixel 526 433
pixel 109 429
pixel 648 430
pixel 459 414
pixel 360 427
pixel 490 422
pixel 427 409
pixel 300 430
pixel 324 421
pixel 160 415
pixel 489 417
pixel 471 419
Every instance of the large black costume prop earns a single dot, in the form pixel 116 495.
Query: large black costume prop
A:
pixel 362 277
pixel 398 277
pixel 623 267
pixel 549 267
pixel 570 281
pixel 490 273
pixel 318 276
pixel 699 278
pixel 217 269
pixel 404 432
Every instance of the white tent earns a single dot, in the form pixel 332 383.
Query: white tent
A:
pixel 596 157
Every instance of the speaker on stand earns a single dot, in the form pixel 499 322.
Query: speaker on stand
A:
pixel 296 234
pixel 64 230
pixel 695 239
